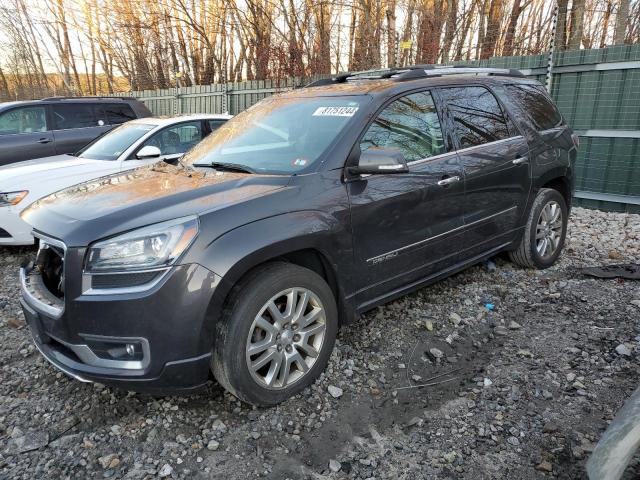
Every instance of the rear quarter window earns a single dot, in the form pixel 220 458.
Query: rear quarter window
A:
pixel 537 105
pixel 119 113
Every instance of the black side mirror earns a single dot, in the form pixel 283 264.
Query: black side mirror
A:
pixel 380 160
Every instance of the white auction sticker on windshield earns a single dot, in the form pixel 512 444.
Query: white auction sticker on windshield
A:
pixel 335 111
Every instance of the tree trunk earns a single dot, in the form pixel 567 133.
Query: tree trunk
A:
pixel 577 24
pixel 621 22
pixel 391 33
pixel 560 39
pixel 493 29
pixel 450 28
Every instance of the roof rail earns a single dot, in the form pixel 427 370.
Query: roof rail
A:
pixel 97 97
pixel 413 72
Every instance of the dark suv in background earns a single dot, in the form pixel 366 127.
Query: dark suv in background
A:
pixel 297 215
pixel 59 125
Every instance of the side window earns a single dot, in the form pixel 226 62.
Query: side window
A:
pixel 23 120
pixel 535 102
pixel 118 113
pixel 176 140
pixel 409 124
pixel 476 115
pixel 215 124
pixel 74 115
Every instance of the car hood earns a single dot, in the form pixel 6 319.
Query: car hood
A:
pixel 87 212
pixel 46 175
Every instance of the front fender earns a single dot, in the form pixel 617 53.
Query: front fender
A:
pixel 238 251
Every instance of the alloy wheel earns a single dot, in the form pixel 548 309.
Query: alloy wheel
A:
pixel 286 338
pixel 549 230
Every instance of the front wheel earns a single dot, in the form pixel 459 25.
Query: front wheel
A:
pixel 276 334
pixel 545 232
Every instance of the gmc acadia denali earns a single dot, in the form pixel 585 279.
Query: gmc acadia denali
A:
pixel 293 218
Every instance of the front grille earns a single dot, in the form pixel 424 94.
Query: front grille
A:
pixel 4 233
pixel 50 264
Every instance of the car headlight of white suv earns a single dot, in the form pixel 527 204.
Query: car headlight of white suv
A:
pixel 12 198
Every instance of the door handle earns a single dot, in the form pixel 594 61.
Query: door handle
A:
pixel 448 181
pixel 45 140
pixel 520 161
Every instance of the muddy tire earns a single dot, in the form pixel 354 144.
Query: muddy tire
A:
pixel 545 232
pixel 276 335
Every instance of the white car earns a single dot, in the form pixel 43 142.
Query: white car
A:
pixel 131 145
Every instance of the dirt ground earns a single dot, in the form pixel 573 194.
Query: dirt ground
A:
pixel 523 371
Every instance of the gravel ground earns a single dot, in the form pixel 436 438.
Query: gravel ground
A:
pixel 523 390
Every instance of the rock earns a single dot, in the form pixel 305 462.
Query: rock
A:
pixel 513 441
pixel 623 350
pixel 415 421
pixel 514 325
pixel 213 445
pixel 109 461
pixel 429 325
pixel 455 318
pixel 13 322
pixel 500 330
pixel 544 466
pixel 165 471
pixel 436 353
pixel 334 465
pixel 22 443
pixel 487 382
pixel 335 392
pixel 571 377
pixel 550 427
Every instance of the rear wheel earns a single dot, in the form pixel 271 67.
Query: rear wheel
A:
pixel 276 334
pixel 545 231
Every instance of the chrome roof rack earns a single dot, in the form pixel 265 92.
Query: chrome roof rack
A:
pixel 414 72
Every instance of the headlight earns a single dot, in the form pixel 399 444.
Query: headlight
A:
pixel 12 198
pixel 154 246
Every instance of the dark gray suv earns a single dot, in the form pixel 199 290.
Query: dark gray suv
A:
pixel 291 219
pixel 59 125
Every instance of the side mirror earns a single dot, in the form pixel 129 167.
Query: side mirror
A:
pixel 380 160
pixel 148 151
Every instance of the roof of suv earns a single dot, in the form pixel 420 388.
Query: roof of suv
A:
pixel 56 100
pixel 358 85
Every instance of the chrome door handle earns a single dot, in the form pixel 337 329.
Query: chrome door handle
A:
pixel 520 161
pixel 448 181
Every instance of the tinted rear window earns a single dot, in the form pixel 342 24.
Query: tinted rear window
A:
pixel 537 104
pixel 119 113
pixel 476 115
pixel 74 115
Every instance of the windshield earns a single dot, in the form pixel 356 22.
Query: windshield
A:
pixel 278 135
pixel 111 145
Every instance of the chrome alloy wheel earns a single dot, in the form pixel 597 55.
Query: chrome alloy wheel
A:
pixel 549 230
pixel 286 338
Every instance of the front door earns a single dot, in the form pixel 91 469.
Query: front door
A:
pixel 406 226
pixel 495 159
pixel 24 134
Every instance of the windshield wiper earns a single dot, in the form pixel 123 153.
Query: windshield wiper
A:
pixel 232 167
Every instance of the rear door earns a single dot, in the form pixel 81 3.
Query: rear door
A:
pixel 76 124
pixel 495 159
pixel 407 226
pixel 24 134
pixel 118 113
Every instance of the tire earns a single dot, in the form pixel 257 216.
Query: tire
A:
pixel 248 322
pixel 528 254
